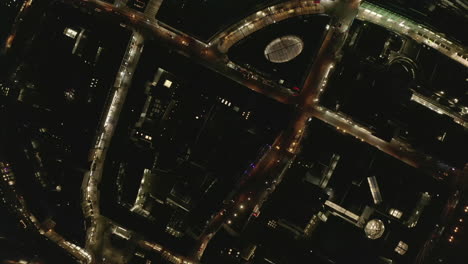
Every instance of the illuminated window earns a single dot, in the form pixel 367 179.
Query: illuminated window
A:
pixel 70 33
pixel 401 248
pixel 272 224
pixel 283 49
pixel 167 83
pixel 395 213
pixel 374 229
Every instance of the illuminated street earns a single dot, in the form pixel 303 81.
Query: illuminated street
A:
pixel 129 138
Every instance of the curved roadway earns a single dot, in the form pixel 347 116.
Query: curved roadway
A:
pixel 213 55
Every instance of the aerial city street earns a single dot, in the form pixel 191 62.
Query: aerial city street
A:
pixel 233 132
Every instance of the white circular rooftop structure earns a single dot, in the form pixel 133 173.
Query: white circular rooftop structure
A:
pixel 284 49
pixel 374 229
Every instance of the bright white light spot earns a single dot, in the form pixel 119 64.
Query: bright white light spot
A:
pixel 167 83
pixel 70 33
